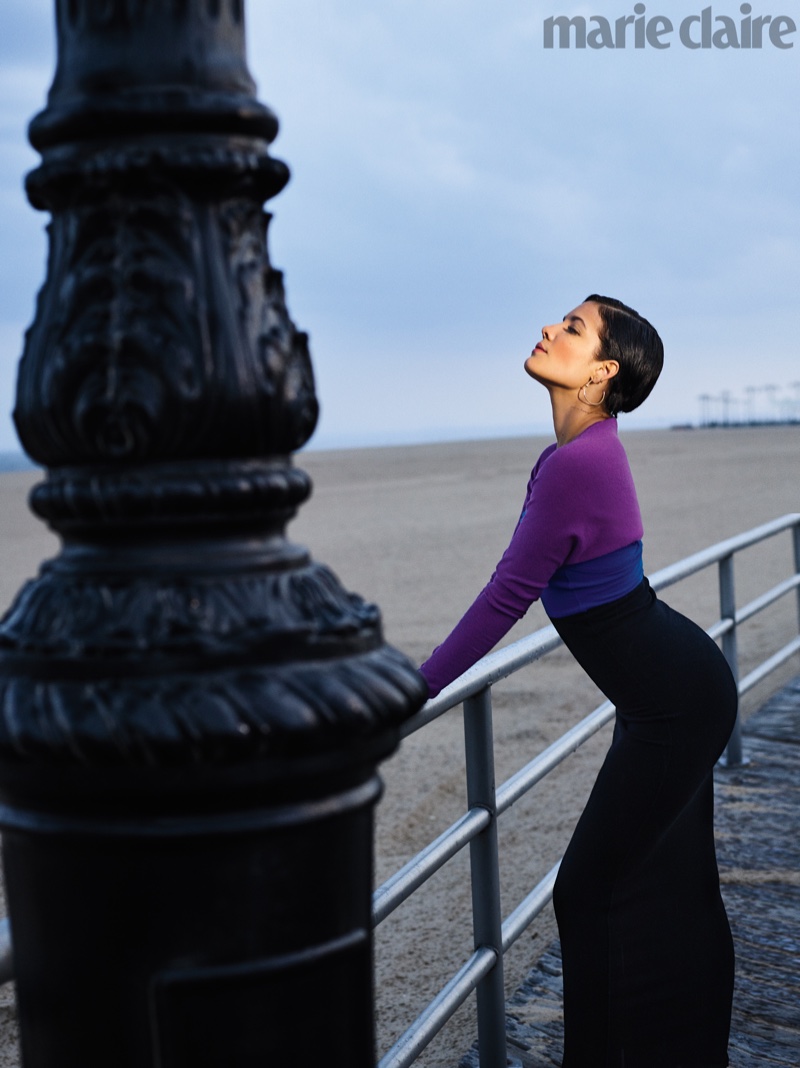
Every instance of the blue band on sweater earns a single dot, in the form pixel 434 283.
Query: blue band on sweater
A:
pixel 576 587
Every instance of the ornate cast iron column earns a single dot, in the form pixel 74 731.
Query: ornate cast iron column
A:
pixel 191 709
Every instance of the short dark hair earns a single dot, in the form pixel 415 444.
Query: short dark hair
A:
pixel 634 344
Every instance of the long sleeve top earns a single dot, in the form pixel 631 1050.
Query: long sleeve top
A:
pixel 580 507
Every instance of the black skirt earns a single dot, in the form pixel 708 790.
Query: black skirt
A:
pixel 647 950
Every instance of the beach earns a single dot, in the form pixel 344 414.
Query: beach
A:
pixel 418 530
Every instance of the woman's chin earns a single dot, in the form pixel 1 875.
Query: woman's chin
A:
pixel 530 367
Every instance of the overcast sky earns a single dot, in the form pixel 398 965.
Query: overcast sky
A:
pixel 456 185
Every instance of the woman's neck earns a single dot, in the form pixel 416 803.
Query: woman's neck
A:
pixel 571 416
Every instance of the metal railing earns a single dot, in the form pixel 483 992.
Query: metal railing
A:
pixel 483 972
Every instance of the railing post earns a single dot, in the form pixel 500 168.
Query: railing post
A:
pixel 727 610
pixel 796 541
pixel 485 874
pixel 191 708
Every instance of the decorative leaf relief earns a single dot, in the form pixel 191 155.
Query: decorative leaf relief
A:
pixel 119 353
pixel 141 352
pixel 283 374
pixel 263 615
pixel 287 710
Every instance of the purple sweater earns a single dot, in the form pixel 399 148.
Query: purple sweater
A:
pixel 580 505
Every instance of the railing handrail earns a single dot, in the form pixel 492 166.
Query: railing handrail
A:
pixel 484 969
pixel 504 662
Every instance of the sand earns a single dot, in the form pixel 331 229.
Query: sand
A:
pixel 418 530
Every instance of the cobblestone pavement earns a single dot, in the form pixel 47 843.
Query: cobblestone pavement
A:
pixel 758 847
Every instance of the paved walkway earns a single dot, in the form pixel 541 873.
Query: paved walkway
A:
pixel 758 846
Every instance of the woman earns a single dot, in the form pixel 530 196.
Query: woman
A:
pixel 647 950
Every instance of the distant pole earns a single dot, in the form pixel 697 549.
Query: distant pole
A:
pixel 725 399
pixel 771 392
pixel 750 392
pixel 191 708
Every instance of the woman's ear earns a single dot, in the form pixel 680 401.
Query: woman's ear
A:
pixel 607 369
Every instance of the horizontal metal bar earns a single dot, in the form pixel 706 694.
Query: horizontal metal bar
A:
pixel 511 658
pixel 514 788
pixel 413 874
pixel 761 672
pixel 488 670
pixel 667 576
pixel 747 611
pixel 529 908
pixel 6 953
pixel 519 784
pixel 722 626
pixel 428 1024
pixel 527 777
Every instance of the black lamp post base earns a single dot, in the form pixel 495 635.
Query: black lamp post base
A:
pixel 190 942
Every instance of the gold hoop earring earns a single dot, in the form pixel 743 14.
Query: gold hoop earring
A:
pixel 585 399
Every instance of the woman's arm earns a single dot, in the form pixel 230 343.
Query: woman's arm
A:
pixel 479 630
pixel 539 546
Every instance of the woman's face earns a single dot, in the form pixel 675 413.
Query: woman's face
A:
pixel 567 354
